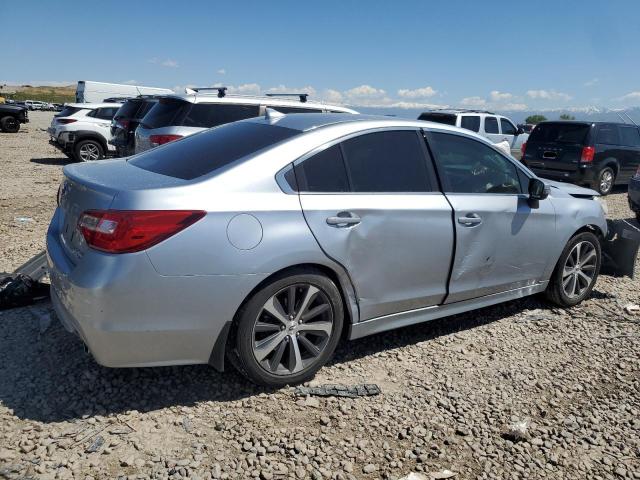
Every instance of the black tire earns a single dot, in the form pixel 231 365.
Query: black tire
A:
pixel 9 124
pixel 81 149
pixel 241 349
pixel 555 291
pixel 602 185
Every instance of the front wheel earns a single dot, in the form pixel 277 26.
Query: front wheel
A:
pixel 288 329
pixel 605 181
pixel 9 124
pixel 576 271
pixel 88 151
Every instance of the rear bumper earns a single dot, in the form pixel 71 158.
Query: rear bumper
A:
pixel 130 316
pixel 582 176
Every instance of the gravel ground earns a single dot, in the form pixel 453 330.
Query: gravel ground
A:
pixel 520 390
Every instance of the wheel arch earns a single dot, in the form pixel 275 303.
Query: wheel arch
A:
pixel 341 280
pixel 89 135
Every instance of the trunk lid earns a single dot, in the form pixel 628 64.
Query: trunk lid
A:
pixel 557 145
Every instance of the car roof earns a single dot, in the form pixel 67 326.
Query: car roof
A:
pixel 93 106
pixel 210 97
pixel 460 111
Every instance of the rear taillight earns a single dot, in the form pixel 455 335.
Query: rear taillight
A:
pixel 64 121
pixel 523 148
pixel 162 139
pixel 126 231
pixel 124 124
pixel 587 154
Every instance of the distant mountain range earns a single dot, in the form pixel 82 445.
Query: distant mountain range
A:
pixel 590 113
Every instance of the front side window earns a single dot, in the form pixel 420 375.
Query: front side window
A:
pixel 469 166
pixel 470 122
pixel 491 125
pixel 507 127
pixel 630 136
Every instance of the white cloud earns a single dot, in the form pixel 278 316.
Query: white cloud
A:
pixel 630 96
pixel 243 89
pixel 365 91
pixel 164 63
pixel 284 89
pixel 514 107
pixel 548 95
pixel 221 71
pixel 332 96
pixel 592 82
pixel 497 96
pixel 473 102
pixel 424 92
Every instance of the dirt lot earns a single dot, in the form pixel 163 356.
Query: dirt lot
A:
pixel 451 389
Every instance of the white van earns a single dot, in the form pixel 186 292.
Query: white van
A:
pixel 96 92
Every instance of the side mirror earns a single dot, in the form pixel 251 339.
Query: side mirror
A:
pixel 538 190
pixel 520 130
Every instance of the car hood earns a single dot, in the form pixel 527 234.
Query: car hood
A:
pixel 570 189
pixel 11 108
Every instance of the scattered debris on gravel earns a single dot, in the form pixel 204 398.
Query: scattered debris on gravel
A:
pixel 454 393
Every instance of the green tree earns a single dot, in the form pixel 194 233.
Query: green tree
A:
pixel 566 116
pixel 535 119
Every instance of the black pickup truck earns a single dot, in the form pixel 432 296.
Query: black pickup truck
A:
pixel 11 116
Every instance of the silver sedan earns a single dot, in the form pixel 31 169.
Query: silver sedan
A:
pixel 264 242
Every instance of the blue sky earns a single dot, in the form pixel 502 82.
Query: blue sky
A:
pixel 501 54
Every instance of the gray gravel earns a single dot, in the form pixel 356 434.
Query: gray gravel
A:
pixel 520 390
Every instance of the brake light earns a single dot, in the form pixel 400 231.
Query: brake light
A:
pixel 162 139
pixel 126 231
pixel 587 154
pixel 523 148
pixel 64 121
pixel 124 124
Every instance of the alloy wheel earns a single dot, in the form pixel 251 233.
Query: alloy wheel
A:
pixel 89 152
pixel 606 181
pixel 292 329
pixel 579 269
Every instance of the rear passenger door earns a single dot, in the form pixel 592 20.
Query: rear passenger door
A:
pixel 372 203
pixel 630 143
pixel 501 242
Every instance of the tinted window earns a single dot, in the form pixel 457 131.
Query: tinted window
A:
pixel 106 113
pixel 560 132
pixel 629 136
pixel 507 127
pixel 391 161
pixel 608 134
pixel 470 122
pixel 165 113
pixel 446 118
pixel 469 166
pixel 324 172
pixel 207 115
pixel 283 109
pixel 68 111
pixel 210 150
pixel 491 125
pixel 128 109
pixel 144 108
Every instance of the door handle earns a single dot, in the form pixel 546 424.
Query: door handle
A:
pixel 343 219
pixel 470 219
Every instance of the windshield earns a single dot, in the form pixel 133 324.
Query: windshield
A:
pixel 560 133
pixel 211 150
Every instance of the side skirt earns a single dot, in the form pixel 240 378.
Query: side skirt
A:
pixel 403 319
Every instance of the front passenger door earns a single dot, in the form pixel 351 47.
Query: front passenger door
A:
pixel 502 243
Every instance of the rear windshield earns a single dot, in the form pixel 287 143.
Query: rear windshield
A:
pixel 169 112
pixel 560 133
pixel 67 111
pixel 210 150
pixel 445 118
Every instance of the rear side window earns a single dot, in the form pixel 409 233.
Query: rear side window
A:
pixel 283 109
pixel 103 113
pixel 390 161
pixel 446 118
pixel 211 150
pixel 324 172
pixel 491 125
pixel 207 115
pixel 470 122
pixel 608 135
pixel 560 133
pixel 507 127
pixel 68 111
pixel 128 109
pixel 165 113
pixel 629 136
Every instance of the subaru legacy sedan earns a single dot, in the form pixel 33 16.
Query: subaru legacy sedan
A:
pixel 263 242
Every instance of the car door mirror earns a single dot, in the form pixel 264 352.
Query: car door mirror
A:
pixel 519 131
pixel 538 190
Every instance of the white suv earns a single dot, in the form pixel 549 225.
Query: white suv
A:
pixel 494 128
pixel 177 116
pixel 83 130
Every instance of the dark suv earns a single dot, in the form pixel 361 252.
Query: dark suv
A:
pixel 597 154
pixel 125 122
pixel 11 116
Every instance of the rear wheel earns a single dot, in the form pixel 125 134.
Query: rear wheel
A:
pixel 9 124
pixel 88 151
pixel 605 181
pixel 576 271
pixel 288 330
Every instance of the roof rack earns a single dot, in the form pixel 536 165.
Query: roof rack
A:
pixel 222 91
pixel 301 96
